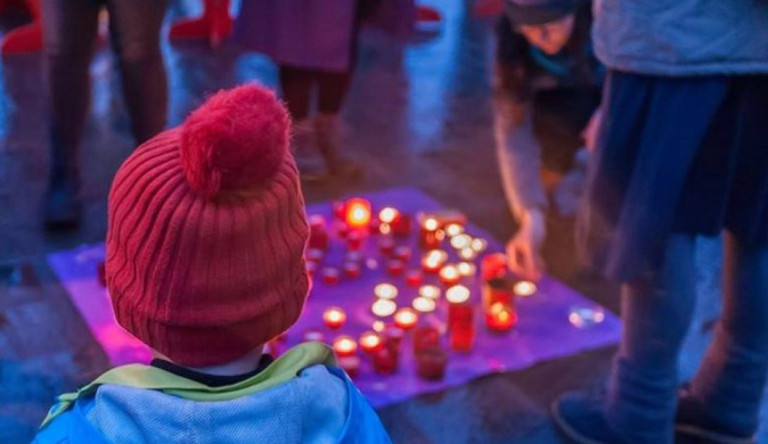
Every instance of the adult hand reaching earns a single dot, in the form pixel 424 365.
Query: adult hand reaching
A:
pixel 523 250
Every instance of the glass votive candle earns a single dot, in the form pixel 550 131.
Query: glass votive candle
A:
pixel 425 337
pixel 524 288
pixel 433 260
pixel 395 267
pixel 430 292
pixel 431 363
pixel 331 275
pixel 358 213
pixel 370 341
pixel 402 253
pixel 479 245
pixel 388 215
pixel 467 269
pixel 453 230
pixel 500 317
pixel 334 317
pixel 449 275
pixel 430 235
pixel 423 305
pixel 344 346
pixel 384 361
pixel 386 245
pixel 385 229
pixel 352 270
pixel 462 337
pixel 413 278
pixel 496 291
pixel 378 326
pixel 354 240
pixel 406 318
pixel 493 266
pixel 393 337
pixel 385 291
pixel 461 241
pixel 315 255
pixel 401 226
pixel 467 254
pixel 350 364
pixel 383 308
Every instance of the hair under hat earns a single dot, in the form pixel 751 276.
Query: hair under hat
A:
pixel 207 230
pixel 537 12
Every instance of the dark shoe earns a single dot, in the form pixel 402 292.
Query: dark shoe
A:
pixel 694 426
pixel 62 208
pixel 581 420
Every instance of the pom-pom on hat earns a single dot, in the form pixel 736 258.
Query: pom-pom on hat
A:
pixel 537 12
pixel 207 230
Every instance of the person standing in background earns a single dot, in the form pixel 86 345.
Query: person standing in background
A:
pixel 542 45
pixel 70 30
pixel 681 152
pixel 313 43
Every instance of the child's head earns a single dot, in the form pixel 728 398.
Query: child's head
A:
pixel 206 232
pixel 546 24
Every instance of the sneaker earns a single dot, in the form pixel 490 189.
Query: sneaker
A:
pixel 581 420
pixel 694 425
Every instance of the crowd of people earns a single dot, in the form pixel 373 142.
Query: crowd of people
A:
pixel 207 229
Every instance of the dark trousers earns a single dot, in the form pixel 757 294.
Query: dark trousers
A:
pixel 298 83
pixel 70 30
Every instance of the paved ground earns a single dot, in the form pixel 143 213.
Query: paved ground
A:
pixel 418 114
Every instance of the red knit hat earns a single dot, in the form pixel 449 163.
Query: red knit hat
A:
pixel 207 229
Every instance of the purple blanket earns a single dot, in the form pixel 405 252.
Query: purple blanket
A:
pixel 543 332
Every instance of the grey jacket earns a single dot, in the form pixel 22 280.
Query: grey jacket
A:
pixel 682 37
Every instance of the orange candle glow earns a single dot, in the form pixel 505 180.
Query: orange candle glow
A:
pixel 344 346
pixel 406 318
pixel 524 288
pixel 378 326
pixel 500 317
pixel 449 275
pixel 370 341
pixel 358 213
pixel 388 215
pixel 334 317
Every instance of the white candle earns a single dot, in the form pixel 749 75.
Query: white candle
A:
pixel 383 307
pixel 457 294
pixel 385 291
pixel 424 305
pixel 429 291
pixel 524 288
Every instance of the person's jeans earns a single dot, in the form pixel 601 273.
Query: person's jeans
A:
pixel 657 312
pixel 70 30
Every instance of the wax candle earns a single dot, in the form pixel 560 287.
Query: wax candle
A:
pixel 358 213
pixel 461 328
pixel 493 266
pixel 318 232
pixel 424 305
pixel 496 291
pixel 461 241
pixel 344 346
pixel 431 363
pixel 524 288
pixel 370 341
pixel 413 278
pixel 466 269
pixel 406 318
pixel 352 270
pixel 434 260
pixel 339 209
pixel 467 254
pixel 500 317
pixel 479 245
pixel 462 337
pixel 334 317
pixel 449 275
pixel 430 292
pixel 425 337
pixel 331 276
pixel 385 229
pixel 388 215
pixel 378 326
pixel 383 308
pixel 430 235
pixel 350 364
pixel 454 229
pixel 385 291
pixel 393 337
pixel 395 267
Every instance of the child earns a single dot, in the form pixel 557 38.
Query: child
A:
pixel 542 45
pixel 205 264
pixel 681 152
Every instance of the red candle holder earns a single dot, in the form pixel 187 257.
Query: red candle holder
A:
pixel 311 268
pixel 430 364
pixel 339 209
pixel 425 337
pixel 331 276
pixel 433 261
pixel 388 215
pixel 334 317
pixel 461 324
pixel 401 226
pixel 406 318
pixel 493 266
pixel 355 240
pixel 318 232
pixel 386 245
pixel 344 346
pixel 496 291
pixel 342 230
pixel 393 337
pixel 358 213
pixel 370 342
pixel 462 339
pixel 385 361
pixel 350 364
pixel 413 278
pixel 402 253
pixel 352 270
pixel 315 255
pixel 500 317
pixel 430 234
pixel 449 275
pixel 395 267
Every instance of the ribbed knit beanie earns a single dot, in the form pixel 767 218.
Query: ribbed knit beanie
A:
pixel 537 12
pixel 207 230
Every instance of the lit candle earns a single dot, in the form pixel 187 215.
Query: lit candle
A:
pixel 370 342
pixel 479 245
pixel 395 267
pixel 378 326
pixel 453 230
pixel 500 317
pixel 493 266
pixel 350 364
pixel 424 305
pixel 334 317
pixel 401 226
pixel 461 241
pixel 331 276
pixel 434 260
pixel 413 278
pixel 457 294
pixel 384 361
pixel 385 291
pixel 425 337
pixel 496 291
pixel 467 269
pixel 344 346
pixel 461 325
pixel 352 270
pixel 358 213
pixel 388 215
pixel 406 318
pixel 524 288
pixel 430 292
pixel 449 275
pixel 383 308
pixel 467 254
pixel 385 229
pixel 431 363
pixel 430 235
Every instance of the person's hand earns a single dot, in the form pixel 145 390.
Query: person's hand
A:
pixel 523 250
pixel 589 134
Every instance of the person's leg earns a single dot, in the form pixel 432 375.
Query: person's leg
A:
pixel 135 33
pixel 332 89
pixel 640 404
pixel 69 32
pixel 296 85
pixel 725 395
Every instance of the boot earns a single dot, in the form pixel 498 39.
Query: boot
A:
pixel 694 425
pixel 303 149
pixel 327 133
pixel 581 419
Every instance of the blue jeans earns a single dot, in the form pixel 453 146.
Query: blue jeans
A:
pixel 657 312
pixel 70 30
